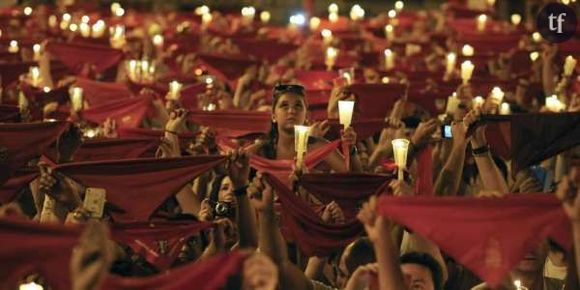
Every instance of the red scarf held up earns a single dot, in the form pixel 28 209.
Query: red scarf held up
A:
pixel 115 149
pixel 375 100
pixel 137 187
pixel 347 189
pixel 282 168
pixel 98 93
pixel 158 242
pixel 75 56
pixel 32 248
pixel 17 181
pixel 230 68
pixel 26 141
pixel 424 182
pixel 233 123
pixel 211 274
pixel 267 50
pixel 313 236
pixel 127 112
pixel 487 235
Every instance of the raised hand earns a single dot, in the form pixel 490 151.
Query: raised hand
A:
pixel 376 226
pixel 91 258
pixel 569 194
pixel 424 132
pixel 176 122
pixel 333 214
pixel 261 194
pixel 319 129
pixel 401 188
pixel 239 168
pixel 260 273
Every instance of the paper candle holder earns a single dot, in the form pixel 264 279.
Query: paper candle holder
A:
pixel 400 149
pixel 345 110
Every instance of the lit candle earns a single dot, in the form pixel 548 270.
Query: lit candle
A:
pixel 332 8
pixel 314 23
pixel 117 38
pixel 389 59
pixel 65 21
pixel 389 32
pixel 569 65
pixel 504 109
pixel 497 94
pixel 451 60
pixel 35 76
pixel 392 13
pixel 481 20
pixel 333 17
pixel 400 149
pixel 265 16
pixel 518 284
pixel 46 89
pixel 13 48
pixel 553 104
pixel 52 21
pixel 301 134
pixel 119 12
pixel 85 29
pixel 452 103
pixel 30 286
pixel 248 14
pixel 399 6
pixel 73 27
pixel 385 80
pixel 158 40
pixel 534 55
pixel 77 98
pixel 132 64
pixel 478 102
pixel 467 50
pixel 516 19
pixel 114 7
pixel 201 10
pixel 331 54
pixel 466 71
pixel 206 19
pixel 345 109
pixel 175 90
pixel 537 37
pixel 357 12
pixel 27 11
pixel 326 36
pixel 98 29
pixel 37 49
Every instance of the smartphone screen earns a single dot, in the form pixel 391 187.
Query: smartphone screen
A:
pixel 446 132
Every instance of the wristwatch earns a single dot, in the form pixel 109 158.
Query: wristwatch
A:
pixel 480 150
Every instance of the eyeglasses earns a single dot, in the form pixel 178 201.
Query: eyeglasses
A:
pixel 291 88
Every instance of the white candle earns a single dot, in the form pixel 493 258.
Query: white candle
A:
pixel 451 60
pixel 345 109
pixel 265 16
pixel 392 13
pixel 452 103
pixel 389 32
pixel 30 286
pixel 467 50
pixel 114 7
pixel 85 30
pixel 534 55
pixel 481 21
pixel 77 98
pixel 326 36
pixel 331 54
pixel 158 40
pixel 35 76
pixel 98 29
pixel 37 49
pixel 399 5
pixel 132 69
pixel 400 149
pixel 478 102
pixel 27 10
pixel 119 12
pixel 248 14
pixel 333 17
pixel 504 109
pixel 314 23
pixel 569 65
pixel 206 19
pixel 357 13
pixel 537 37
pixel 516 19
pixel 301 134
pixel 175 90
pixel 467 71
pixel 385 80
pixel 332 8
pixel 553 104
pixel 389 59
pixel 13 48
pixel 52 21
pixel 518 284
pixel 497 94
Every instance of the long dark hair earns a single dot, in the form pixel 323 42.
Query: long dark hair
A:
pixel 269 148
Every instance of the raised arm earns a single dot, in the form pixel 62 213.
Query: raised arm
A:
pixel 568 192
pixel 449 178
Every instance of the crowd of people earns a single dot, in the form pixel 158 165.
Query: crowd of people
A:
pixel 218 149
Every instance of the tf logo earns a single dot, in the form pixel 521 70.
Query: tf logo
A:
pixel 556 22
